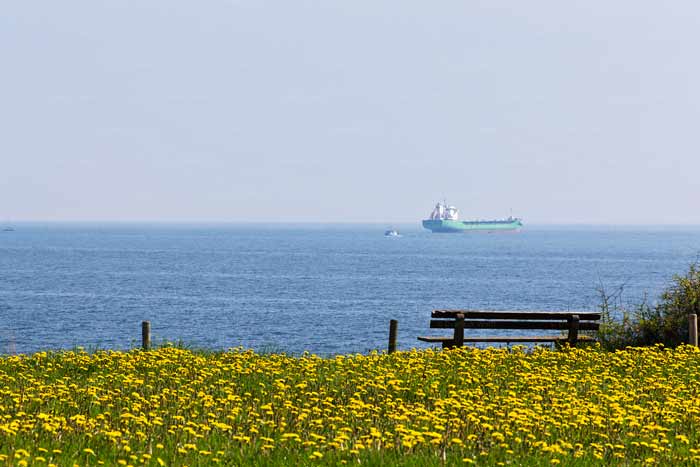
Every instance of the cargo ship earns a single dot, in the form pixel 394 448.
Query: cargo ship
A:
pixel 445 219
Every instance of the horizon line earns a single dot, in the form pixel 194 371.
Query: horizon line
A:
pixel 315 222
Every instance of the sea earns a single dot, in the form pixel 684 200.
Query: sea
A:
pixel 322 288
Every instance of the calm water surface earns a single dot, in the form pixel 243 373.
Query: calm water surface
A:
pixel 323 288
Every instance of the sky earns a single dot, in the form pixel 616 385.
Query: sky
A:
pixel 350 111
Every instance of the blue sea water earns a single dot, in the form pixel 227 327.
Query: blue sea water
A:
pixel 322 288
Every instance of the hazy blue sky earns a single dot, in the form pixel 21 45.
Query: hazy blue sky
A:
pixel 363 110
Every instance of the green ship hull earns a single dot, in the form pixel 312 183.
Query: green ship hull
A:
pixel 456 226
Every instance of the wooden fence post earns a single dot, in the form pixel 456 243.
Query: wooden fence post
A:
pixel 693 329
pixel 393 326
pixel 146 335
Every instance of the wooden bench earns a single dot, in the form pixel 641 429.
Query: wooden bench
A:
pixel 459 320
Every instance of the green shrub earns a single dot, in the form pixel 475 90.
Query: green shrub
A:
pixel 665 322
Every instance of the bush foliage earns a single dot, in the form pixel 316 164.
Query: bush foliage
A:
pixel 665 322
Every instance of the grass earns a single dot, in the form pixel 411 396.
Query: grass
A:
pixel 176 406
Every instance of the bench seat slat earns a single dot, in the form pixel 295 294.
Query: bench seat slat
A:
pixel 534 315
pixel 504 339
pixel 474 324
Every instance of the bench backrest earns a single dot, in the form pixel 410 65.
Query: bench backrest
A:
pixel 475 319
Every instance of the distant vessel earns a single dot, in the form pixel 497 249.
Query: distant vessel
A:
pixel 8 229
pixel 445 219
pixel 392 233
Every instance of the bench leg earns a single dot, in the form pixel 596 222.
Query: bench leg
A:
pixel 458 338
pixel 573 330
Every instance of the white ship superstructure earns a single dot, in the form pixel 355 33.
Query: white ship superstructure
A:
pixel 443 212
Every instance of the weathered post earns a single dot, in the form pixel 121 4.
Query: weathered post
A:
pixel 693 329
pixel 393 326
pixel 146 335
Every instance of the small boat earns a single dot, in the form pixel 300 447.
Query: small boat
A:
pixel 8 229
pixel 392 233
